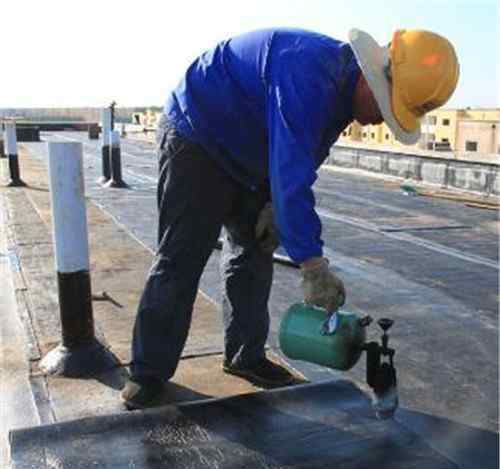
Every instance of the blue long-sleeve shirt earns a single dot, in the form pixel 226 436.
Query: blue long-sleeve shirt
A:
pixel 267 106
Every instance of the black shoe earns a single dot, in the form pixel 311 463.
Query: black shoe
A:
pixel 265 373
pixel 141 392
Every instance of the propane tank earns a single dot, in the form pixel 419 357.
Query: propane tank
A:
pixel 335 340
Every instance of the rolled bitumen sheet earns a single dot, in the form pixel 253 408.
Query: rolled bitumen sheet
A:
pixel 309 426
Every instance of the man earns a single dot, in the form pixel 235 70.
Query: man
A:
pixel 240 141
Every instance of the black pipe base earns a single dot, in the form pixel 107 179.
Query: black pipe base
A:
pixel 82 361
pixel 116 184
pixel 75 304
pixel 15 175
pixel 116 169
pixel 106 166
pixel 2 150
pixel 16 183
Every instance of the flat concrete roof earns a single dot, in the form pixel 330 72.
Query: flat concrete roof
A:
pixel 429 264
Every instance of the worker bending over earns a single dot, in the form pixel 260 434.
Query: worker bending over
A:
pixel 240 143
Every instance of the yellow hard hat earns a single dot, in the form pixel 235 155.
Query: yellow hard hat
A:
pixel 424 70
pixel 415 74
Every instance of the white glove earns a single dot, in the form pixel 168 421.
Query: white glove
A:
pixel 321 286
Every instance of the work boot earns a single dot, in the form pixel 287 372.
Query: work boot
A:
pixel 141 392
pixel 264 373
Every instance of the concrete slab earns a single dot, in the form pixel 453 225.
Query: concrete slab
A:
pixel 196 378
pixel 310 426
pixel 17 407
pixel 119 265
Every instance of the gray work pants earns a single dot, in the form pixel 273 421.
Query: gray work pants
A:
pixel 195 200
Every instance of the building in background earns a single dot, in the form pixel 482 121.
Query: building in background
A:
pixel 148 119
pixel 464 131
pixel 68 114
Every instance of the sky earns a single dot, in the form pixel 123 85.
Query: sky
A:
pixel 87 53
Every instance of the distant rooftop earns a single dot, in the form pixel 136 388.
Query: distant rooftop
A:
pixel 469 108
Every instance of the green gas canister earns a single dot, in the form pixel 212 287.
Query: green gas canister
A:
pixel 335 340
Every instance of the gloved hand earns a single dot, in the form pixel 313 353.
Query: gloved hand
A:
pixel 321 286
pixel 265 231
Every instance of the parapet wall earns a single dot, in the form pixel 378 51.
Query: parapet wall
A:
pixel 448 173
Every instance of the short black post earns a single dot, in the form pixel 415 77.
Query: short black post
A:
pixel 79 354
pixel 112 110
pixel 106 169
pixel 2 149
pixel 116 162
pixel 10 139
pixel 93 131
pixel 106 129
